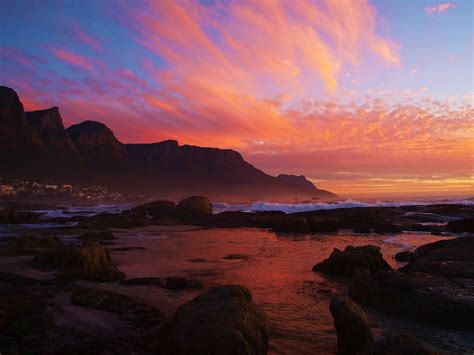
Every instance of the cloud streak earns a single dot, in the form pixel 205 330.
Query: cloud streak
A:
pixel 439 8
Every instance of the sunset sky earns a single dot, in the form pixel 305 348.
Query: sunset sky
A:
pixel 364 98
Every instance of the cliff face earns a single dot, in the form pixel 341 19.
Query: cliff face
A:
pixel 297 180
pixel 37 145
pixel 48 125
pixel 97 143
pixel 15 133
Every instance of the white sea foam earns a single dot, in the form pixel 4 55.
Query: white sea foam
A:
pixel 315 206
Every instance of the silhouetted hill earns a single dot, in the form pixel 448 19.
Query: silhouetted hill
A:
pixel 36 145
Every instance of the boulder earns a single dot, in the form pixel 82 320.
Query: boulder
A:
pixel 461 225
pixel 344 263
pixel 354 335
pixel 459 249
pixel 417 296
pixel 353 331
pixel 195 205
pixel 156 208
pixel 404 256
pixel 452 258
pixel 222 320
pixel 89 257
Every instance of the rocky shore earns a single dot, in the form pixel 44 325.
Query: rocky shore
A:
pixel 436 286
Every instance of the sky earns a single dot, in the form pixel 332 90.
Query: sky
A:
pixel 364 98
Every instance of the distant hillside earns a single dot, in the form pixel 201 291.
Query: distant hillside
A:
pixel 36 145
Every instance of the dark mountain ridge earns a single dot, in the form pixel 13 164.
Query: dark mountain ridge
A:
pixel 37 145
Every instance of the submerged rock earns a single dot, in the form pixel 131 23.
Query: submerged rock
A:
pixel 32 241
pixel 143 281
pixel 344 263
pixel 97 236
pixel 222 320
pixel 236 257
pixel 18 217
pixel 396 344
pixel 138 314
pixel 195 205
pixel 177 283
pixel 109 220
pixel 353 331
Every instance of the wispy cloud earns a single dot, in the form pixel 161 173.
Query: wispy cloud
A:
pixel 82 36
pixel 439 8
pixel 71 58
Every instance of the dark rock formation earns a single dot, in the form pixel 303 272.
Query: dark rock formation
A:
pixel 32 242
pixel 461 225
pixel 18 217
pixel 344 263
pixel 222 320
pixel 404 256
pixel 396 344
pixel 48 125
pixel 96 143
pixel 418 296
pixel 177 283
pixel 138 314
pixel 195 205
pixel 109 220
pixel 353 331
pixel 89 153
pixel 89 257
pixel 452 258
pixel 16 136
pixel 98 236
pixel 291 224
pixel 354 335
pixel 156 208
pixel 143 281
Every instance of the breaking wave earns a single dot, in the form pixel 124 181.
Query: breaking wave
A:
pixel 315 206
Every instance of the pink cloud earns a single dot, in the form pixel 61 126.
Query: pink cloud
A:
pixel 439 8
pixel 86 38
pixel 72 59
